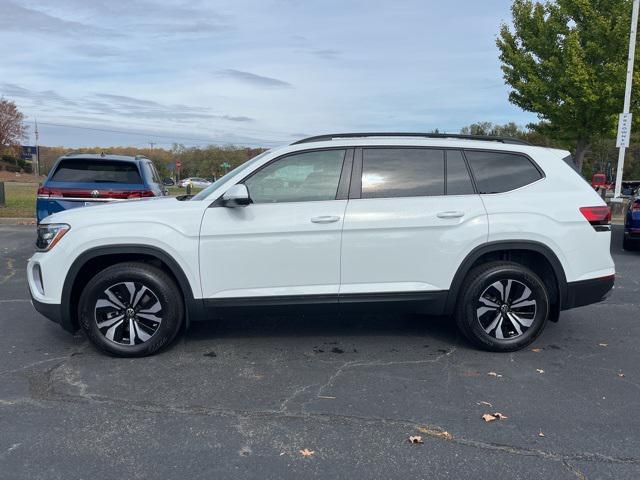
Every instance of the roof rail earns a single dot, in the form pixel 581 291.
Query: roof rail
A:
pixel 487 138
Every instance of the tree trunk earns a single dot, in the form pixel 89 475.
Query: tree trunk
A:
pixel 581 149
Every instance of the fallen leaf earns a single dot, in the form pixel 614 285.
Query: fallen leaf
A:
pixel 603 344
pixel 306 452
pixel 490 417
pixel 537 350
pixel 415 439
pixel 540 434
pixel 494 374
pixel 621 375
pixel 436 432
pixel 484 403
pixel 539 370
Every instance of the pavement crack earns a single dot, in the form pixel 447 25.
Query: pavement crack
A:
pixel 377 363
pixel 11 271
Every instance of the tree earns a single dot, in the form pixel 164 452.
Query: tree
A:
pixel 12 128
pixel 566 61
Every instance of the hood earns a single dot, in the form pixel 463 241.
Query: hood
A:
pixel 126 210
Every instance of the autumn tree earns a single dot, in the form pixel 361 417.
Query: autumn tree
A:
pixel 12 128
pixel 566 61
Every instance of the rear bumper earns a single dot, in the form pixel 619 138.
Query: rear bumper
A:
pixel 586 292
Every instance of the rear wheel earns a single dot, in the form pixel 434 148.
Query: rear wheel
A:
pixel 131 309
pixel 503 306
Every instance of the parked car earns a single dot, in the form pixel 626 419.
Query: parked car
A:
pixel 599 180
pixel 497 233
pixel 196 182
pixel 81 180
pixel 631 240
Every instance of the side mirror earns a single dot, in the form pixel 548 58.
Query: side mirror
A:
pixel 236 196
pixel 167 182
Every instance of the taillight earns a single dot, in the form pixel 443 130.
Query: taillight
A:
pixel 139 194
pixel 49 192
pixel 599 217
pixel 635 206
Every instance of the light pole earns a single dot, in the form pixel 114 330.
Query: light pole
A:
pixel 624 124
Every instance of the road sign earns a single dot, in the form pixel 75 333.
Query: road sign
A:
pixel 27 152
pixel 624 130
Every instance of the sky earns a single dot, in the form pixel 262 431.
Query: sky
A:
pixel 250 72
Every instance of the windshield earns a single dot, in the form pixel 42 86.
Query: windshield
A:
pixel 205 193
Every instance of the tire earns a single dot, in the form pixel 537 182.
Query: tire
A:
pixel 505 328
pixel 130 295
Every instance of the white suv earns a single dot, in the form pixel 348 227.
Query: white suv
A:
pixel 499 234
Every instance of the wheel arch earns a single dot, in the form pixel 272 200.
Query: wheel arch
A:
pixel 506 250
pixel 100 257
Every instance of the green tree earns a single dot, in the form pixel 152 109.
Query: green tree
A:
pixel 566 61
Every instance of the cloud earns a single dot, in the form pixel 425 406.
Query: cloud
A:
pixel 20 19
pixel 107 104
pixel 327 54
pixel 253 79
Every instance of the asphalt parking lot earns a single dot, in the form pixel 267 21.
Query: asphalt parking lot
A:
pixel 242 398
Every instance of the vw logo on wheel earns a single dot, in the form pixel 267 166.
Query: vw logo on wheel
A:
pixel 95 193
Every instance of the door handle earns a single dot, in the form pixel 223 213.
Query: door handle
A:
pixel 450 214
pixel 325 219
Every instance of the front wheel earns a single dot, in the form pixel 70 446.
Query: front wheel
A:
pixel 502 307
pixel 131 309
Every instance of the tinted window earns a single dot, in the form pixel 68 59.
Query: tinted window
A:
pixel 298 178
pixel 96 171
pixel 497 172
pixel 402 172
pixel 458 179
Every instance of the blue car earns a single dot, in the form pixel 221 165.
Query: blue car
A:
pixel 632 225
pixel 81 180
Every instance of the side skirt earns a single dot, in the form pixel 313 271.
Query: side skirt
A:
pixel 430 303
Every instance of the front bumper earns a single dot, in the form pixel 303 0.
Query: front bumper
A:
pixel 586 292
pixel 52 311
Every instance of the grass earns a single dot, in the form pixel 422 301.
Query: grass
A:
pixel 175 191
pixel 20 200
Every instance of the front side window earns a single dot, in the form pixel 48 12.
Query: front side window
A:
pixel 402 172
pixel 497 172
pixel 302 177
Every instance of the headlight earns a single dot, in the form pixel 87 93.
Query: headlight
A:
pixel 50 234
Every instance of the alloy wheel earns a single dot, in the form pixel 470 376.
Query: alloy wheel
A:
pixel 128 313
pixel 506 309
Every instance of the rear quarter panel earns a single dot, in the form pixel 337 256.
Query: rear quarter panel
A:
pixel 547 211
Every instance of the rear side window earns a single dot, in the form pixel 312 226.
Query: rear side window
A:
pixel 458 178
pixel 497 172
pixel 151 172
pixel 402 172
pixel 100 171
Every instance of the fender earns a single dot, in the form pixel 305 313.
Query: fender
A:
pixel 193 307
pixel 497 246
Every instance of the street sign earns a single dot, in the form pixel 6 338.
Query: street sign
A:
pixel 624 130
pixel 28 152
